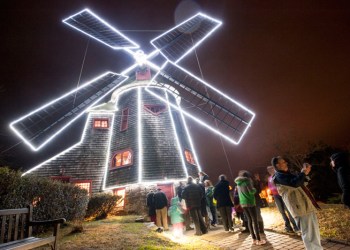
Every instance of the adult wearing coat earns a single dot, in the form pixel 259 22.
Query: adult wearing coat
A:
pixel 341 166
pixel 193 195
pixel 151 207
pixel 161 204
pixel 299 201
pixel 224 202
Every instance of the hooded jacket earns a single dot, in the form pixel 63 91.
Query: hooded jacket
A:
pixel 175 212
pixel 246 191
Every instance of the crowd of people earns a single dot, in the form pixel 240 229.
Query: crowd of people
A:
pixel 198 200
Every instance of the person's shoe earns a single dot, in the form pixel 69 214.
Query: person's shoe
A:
pixel 231 230
pixel 260 242
pixel 289 230
pixel 189 228
pixel 213 225
pixel 198 234
pixel 159 230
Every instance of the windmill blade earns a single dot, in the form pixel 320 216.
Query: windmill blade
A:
pixel 203 103
pixel 176 43
pixel 92 25
pixel 41 125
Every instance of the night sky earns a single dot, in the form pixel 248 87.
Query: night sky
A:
pixel 288 61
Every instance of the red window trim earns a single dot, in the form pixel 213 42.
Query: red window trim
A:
pixel 84 181
pixel 101 120
pixel 148 106
pixel 193 162
pixel 112 166
pixel 124 122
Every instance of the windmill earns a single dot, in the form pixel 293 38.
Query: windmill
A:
pixel 123 143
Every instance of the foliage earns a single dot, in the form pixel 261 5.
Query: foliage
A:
pixel 323 183
pixel 51 199
pixel 100 205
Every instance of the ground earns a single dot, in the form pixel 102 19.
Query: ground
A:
pixel 118 232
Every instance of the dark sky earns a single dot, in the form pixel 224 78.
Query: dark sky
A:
pixel 286 60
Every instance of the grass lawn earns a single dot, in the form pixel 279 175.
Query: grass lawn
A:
pixel 334 221
pixel 121 232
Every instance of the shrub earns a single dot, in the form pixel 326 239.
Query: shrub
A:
pixel 51 199
pixel 100 205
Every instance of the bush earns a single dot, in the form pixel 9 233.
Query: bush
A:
pixel 100 205
pixel 51 199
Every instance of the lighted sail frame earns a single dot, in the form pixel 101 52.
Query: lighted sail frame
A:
pixel 209 107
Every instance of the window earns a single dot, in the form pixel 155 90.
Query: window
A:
pixel 120 192
pixel 124 121
pixel 122 159
pixel 189 157
pixel 85 184
pixel 155 109
pixel 101 123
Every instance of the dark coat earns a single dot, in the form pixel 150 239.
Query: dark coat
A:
pixel 342 169
pixel 258 186
pixel 150 204
pixel 222 194
pixel 193 195
pixel 160 200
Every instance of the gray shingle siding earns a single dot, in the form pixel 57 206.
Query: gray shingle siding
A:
pixel 161 158
pixel 85 161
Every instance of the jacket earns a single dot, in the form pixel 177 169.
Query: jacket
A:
pixel 246 191
pixel 193 195
pixel 160 200
pixel 175 212
pixel 222 194
pixel 290 187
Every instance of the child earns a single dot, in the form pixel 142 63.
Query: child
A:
pixel 246 195
pixel 175 212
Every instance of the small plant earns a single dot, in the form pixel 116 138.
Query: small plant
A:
pixel 101 205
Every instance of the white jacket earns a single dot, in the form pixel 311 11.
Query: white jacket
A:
pixel 296 200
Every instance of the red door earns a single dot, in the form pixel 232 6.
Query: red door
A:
pixel 168 189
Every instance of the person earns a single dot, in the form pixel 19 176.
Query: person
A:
pixel 176 216
pixel 204 211
pixel 288 220
pixel 340 164
pixel 299 201
pixel 209 195
pixel 161 205
pixel 193 194
pixel 258 201
pixel 224 202
pixel 151 207
pixel 186 214
pixel 239 211
pixel 202 177
pixel 246 193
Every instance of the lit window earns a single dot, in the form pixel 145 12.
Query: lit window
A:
pixel 189 157
pixel 83 185
pixel 100 123
pixel 155 109
pixel 121 193
pixel 124 121
pixel 122 158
